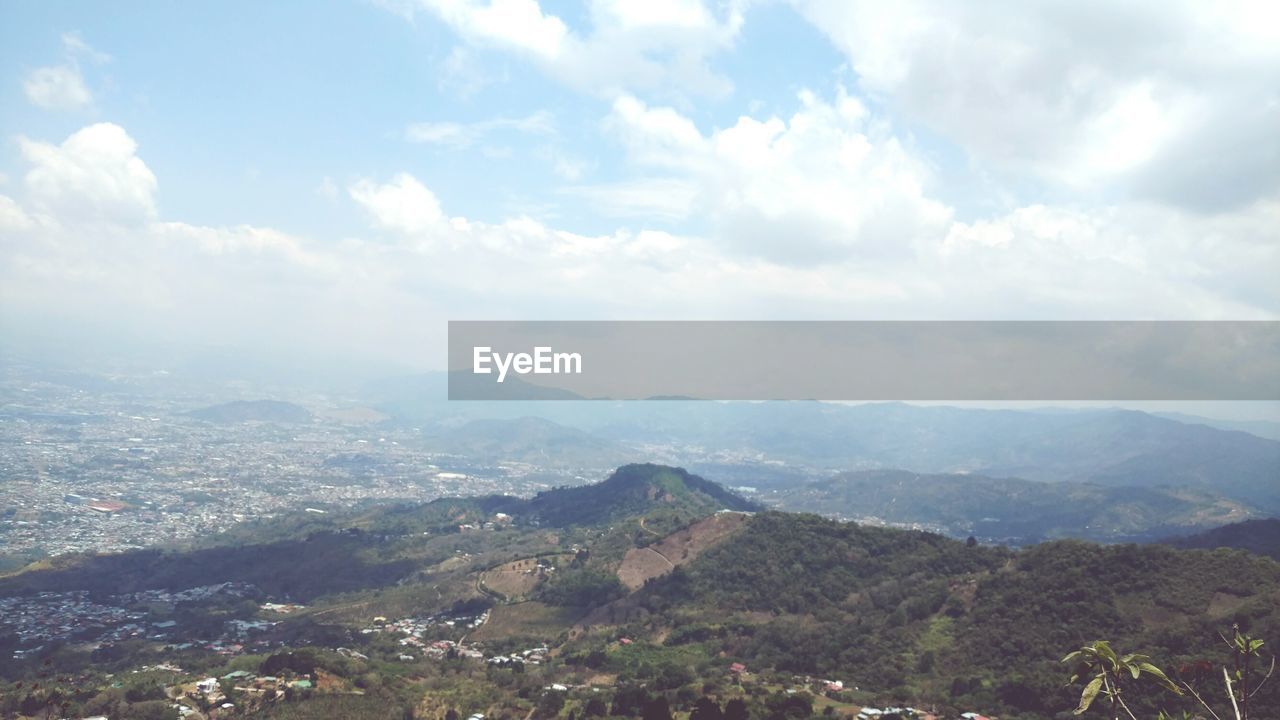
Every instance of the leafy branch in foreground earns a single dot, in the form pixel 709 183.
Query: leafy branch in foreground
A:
pixel 1109 674
pixel 1244 649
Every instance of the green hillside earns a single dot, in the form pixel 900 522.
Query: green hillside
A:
pixel 914 615
pixel 1260 536
pixel 635 490
pixel 638 590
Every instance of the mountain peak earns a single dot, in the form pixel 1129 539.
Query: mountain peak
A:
pixel 637 490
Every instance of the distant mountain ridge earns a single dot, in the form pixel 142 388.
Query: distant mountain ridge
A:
pixel 1262 428
pixel 238 411
pixel 531 440
pixel 1260 536
pixel 1023 511
pixel 1109 447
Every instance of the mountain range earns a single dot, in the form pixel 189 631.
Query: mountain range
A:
pixel 1010 509
pixel 1111 447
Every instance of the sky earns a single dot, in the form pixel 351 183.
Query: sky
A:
pixel 338 180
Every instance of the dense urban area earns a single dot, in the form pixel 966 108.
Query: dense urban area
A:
pixel 84 471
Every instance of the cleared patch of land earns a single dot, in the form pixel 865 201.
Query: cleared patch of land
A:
pixel 526 620
pixel 1224 604
pixel 517 579
pixel 640 565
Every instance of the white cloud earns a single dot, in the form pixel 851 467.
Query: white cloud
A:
pixel 84 246
pixel 94 175
pixel 59 87
pixel 1082 94
pixel 1131 261
pixel 564 165
pixel 649 198
pixel 823 185
pixel 516 24
pixel 245 241
pixel 12 217
pixel 462 135
pixel 404 205
pixel 634 14
pixel 657 45
pixel 62 87
pixel 822 214
pixel 76 47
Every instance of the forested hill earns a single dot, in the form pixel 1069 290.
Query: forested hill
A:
pixel 925 616
pixel 634 490
pixel 1257 536
pixel 668 497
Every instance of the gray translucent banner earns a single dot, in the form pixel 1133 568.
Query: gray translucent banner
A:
pixel 1048 361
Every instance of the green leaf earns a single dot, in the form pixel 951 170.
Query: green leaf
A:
pixel 1090 692
pixel 1161 679
pixel 1104 649
pixel 1072 657
pixel 1150 669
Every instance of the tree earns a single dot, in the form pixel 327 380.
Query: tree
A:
pixel 595 708
pixel 550 704
pixel 629 700
pixel 789 707
pixel 656 709
pixel 736 709
pixel 706 709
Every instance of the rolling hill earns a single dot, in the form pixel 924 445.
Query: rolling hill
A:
pixel 1260 536
pixel 1105 446
pixel 920 615
pixel 1010 509
pixel 634 491
pixel 241 411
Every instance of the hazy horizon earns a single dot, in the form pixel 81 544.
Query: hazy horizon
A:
pixel 739 160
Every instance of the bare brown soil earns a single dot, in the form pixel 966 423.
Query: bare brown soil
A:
pixel 643 564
